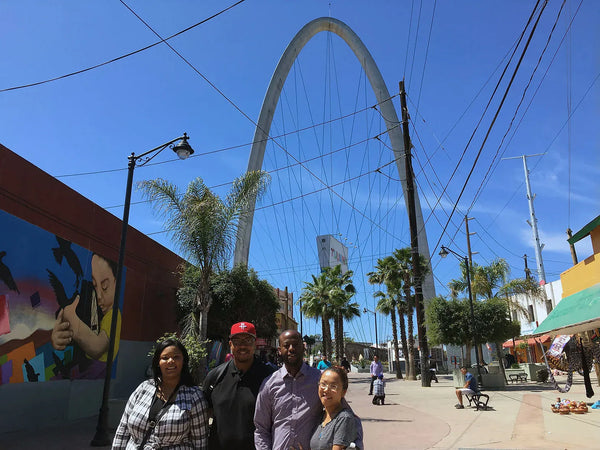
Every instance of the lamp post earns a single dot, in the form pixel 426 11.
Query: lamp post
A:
pixel 443 253
pixel 183 150
pixel 376 340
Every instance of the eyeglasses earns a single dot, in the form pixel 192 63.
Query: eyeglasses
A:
pixel 242 341
pixel 331 387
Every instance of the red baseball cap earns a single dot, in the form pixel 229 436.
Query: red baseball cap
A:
pixel 243 328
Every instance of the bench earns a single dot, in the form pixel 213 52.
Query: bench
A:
pixel 479 399
pixel 518 377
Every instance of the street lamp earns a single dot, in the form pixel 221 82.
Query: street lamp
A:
pixel 443 253
pixel 183 150
pixel 376 340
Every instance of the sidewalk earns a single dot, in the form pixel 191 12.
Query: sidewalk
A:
pixel 518 418
pixel 419 418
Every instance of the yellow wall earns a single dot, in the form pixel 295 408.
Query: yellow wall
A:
pixel 581 276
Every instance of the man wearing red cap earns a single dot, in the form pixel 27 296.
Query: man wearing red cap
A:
pixel 231 391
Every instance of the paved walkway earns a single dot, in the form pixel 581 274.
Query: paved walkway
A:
pixel 518 418
pixel 419 418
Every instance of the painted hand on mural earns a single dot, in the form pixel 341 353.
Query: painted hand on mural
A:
pixel 62 335
pixel 68 312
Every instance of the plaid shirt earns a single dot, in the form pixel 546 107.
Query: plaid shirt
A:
pixel 183 426
pixel 378 386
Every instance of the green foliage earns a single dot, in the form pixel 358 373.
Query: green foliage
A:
pixel 196 349
pixel 448 321
pixel 542 375
pixel 327 297
pixel 515 366
pixel 240 295
pixel 203 226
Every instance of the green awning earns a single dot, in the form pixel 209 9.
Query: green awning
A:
pixel 584 231
pixel 574 314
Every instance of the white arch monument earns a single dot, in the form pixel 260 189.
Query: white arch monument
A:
pixel 261 135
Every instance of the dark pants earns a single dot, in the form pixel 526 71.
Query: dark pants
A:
pixel 373 378
pixel 379 399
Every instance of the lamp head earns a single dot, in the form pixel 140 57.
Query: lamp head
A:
pixel 443 252
pixel 183 149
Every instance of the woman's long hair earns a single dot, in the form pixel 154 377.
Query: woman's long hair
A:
pixel 186 377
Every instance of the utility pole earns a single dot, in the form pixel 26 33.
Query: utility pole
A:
pixel 414 244
pixel 573 253
pixel 478 349
pixel 533 221
pixel 527 270
pixel 469 241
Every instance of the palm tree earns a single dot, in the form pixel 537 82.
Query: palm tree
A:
pixel 387 273
pixel 344 311
pixel 387 305
pixel 316 303
pixel 203 226
pixel 403 258
pixel 342 290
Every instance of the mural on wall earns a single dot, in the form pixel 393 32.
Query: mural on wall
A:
pixel 56 303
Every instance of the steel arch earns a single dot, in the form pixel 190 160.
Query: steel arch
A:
pixel 261 135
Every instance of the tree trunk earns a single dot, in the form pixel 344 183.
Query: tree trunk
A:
pixel 342 345
pixel 500 357
pixel 337 322
pixel 396 350
pixel 326 336
pixel 412 375
pixel 467 361
pixel 403 338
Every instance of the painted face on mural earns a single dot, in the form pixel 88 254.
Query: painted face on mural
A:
pixel 104 283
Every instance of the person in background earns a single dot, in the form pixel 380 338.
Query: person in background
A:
pixel 167 411
pixel 379 390
pixel 345 364
pixel 470 387
pixel 231 390
pixel 376 369
pixel 324 364
pixel 338 428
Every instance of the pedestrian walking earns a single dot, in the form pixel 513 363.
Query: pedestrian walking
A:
pixel 376 369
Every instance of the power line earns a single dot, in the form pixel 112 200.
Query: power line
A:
pixel 494 118
pixel 37 83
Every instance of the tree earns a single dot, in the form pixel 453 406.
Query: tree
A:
pixel 315 303
pixel 491 282
pixel 203 227
pixel 341 293
pixel 328 297
pixel 387 305
pixel 403 259
pixel 449 322
pixel 239 295
pixel 387 273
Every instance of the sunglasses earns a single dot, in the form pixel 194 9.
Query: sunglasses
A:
pixel 242 341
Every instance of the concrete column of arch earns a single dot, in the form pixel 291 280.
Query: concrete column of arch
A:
pixel 261 135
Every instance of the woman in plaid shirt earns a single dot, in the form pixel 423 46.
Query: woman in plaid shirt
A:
pixel 168 411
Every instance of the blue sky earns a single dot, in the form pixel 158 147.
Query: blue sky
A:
pixel 450 60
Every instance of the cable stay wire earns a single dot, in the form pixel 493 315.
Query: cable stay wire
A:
pixel 514 50
pixel 96 66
